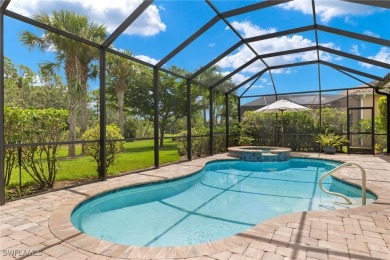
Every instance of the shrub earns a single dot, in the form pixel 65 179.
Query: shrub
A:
pixel 113 146
pixel 199 145
pixel 262 129
pixel 201 141
pixel 34 126
pixel 12 135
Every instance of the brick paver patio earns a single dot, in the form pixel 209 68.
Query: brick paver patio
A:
pixel 39 227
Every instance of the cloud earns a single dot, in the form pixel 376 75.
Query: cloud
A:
pixel 147 59
pixel 249 30
pixel 212 45
pixel 282 43
pixel 257 86
pixel 383 56
pixel 369 33
pixel 238 78
pixel 355 49
pixel 99 11
pixel 349 20
pixel 327 10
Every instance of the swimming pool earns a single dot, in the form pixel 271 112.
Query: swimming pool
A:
pixel 225 198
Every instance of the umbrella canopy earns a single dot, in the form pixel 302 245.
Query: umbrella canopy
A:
pixel 282 106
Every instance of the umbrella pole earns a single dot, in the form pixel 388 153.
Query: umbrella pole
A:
pixel 281 123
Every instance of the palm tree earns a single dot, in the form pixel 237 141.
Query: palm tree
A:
pixel 73 55
pixel 121 72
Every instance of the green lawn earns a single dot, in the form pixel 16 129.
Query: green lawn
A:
pixel 136 155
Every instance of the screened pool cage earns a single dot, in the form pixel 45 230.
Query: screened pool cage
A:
pixel 234 98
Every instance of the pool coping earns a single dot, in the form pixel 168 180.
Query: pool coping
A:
pixel 61 226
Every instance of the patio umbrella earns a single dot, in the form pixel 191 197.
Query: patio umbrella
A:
pixel 282 106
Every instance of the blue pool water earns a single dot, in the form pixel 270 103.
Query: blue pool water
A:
pixel 225 198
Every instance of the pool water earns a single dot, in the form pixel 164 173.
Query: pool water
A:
pixel 225 198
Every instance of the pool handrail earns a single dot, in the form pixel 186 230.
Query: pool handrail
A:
pixel 364 195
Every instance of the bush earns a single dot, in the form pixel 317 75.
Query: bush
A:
pixel 12 134
pixel 35 126
pixel 262 129
pixel 113 148
pixel 199 145
pixel 200 141
pixel 130 129
pixel 257 128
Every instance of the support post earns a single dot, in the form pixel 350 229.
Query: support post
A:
pixel 227 121
pixel 2 141
pixel 155 118
pixel 373 122
pixel 211 115
pixel 348 125
pixel 388 123
pixel 102 115
pixel 239 109
pixel 189 123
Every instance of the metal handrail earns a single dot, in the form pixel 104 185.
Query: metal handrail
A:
pixel 364 195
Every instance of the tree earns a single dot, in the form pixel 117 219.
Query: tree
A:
pixel 209 77
pixel 172 98
pixel 11 92
pixel 74 56
pixel 50 93
pixel 382 107
pixel 17 81
pixel 122 73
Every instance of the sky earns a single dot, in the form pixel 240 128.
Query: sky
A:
pixel 167 23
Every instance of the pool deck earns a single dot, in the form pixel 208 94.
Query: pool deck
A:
pixel 39 227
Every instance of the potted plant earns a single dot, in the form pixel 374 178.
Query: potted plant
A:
pixel 330 141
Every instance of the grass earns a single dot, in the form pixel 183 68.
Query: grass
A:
pixel 136 155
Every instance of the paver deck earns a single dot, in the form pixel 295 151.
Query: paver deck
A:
pixel 39 227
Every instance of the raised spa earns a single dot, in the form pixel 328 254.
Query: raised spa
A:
pixel 225 198
pixel 260 153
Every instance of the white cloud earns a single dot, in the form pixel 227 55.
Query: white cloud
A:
pixel 257 86
pixel 283 43
pixel 37 81
pixel 369 33
pixel 147 59
pixel 263 80
pixel 110 13
pixel 383 56
pixel 212 45
pixel 249 30
pixel 328 10
pixel 238 78
pixel 349 20
pixel 355 49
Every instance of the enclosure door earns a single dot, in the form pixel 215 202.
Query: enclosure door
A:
pixel 360 130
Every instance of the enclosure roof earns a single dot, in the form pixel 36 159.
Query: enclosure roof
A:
pixel 258 27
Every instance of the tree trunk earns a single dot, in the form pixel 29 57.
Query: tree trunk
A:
pixel 84 116
pixel 204 117
pixel 162 137
pixel 84 100
pixel 121 114
pixel 71 78
pixel 72 131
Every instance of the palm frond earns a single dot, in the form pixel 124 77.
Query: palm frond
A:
pixel 33 41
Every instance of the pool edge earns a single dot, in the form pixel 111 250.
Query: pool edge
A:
pixel 60 225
